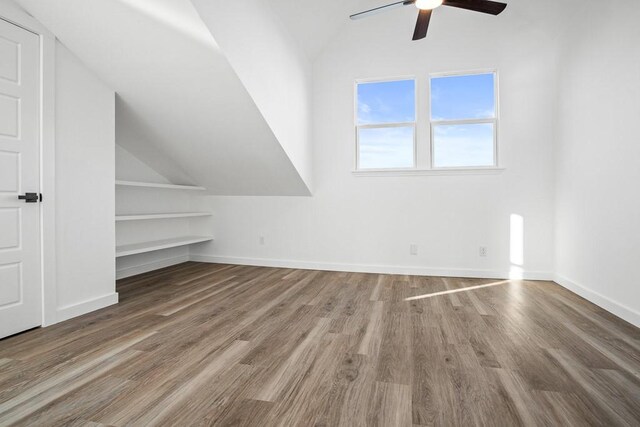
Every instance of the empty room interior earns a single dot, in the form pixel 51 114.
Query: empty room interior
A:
pixel 319 213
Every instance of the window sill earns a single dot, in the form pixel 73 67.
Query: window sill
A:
pixel 427 172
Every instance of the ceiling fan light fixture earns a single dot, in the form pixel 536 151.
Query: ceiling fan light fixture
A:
pixel 426 7
pixel 428 4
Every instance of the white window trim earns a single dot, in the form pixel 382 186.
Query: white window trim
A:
pixel 428 172
pixel 495 121
pixel 413 124
pixel 428 169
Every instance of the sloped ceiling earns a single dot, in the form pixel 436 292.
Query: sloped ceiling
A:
pixel 196 109
pixel 181 107
pixel 317 24
pixel 272 67
pixel 313 23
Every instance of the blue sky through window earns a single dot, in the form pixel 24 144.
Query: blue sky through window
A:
pixel 463 97
pixel 459 97
pixel 469 145
pixel 387 147
pixel 386 102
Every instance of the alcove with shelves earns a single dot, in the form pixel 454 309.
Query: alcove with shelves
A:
pixel 155 221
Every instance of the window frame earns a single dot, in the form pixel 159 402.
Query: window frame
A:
pixel 413 124
pixel 495 121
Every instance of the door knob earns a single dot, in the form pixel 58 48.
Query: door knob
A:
pixel 31 197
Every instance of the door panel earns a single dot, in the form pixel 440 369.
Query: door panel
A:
pixel 10 113
pixel 10 225
pixel 11 290
pixel 9 172
pixel 10 65
pixel 20 281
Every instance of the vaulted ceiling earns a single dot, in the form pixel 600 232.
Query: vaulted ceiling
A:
pixel 217 92
pixel 313 23
pixel 181 107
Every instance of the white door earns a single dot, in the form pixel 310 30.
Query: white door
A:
pixel 20 288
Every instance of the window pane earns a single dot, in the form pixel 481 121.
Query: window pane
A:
pixel 386 102
pixel 383 148
pixel 463 97
pixel 463 145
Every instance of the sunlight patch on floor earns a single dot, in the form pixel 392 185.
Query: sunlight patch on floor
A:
pixel 454 291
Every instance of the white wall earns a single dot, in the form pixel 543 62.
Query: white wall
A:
pixel 368 223
pixel 272 67
pixel 598 155
pixel 85 235
pixel 557 175
pixel 130 168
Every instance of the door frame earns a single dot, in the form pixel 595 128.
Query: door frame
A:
pixel 47 207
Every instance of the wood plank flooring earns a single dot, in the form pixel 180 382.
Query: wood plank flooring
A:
pixel 208 344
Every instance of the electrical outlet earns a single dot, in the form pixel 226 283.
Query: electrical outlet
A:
pixel 413 249
pixel 483 251
pixel 261 239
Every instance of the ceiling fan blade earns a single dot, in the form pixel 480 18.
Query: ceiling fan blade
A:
pixel 384 8
pixel 422 25
pixel 484 6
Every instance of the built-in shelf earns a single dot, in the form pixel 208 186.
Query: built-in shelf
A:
pixel 139 248
pixel 156 185
pixel 142 217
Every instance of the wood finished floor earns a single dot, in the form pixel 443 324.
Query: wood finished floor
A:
pixel 204 344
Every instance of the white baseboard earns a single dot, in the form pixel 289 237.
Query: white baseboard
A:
pixel 75 310
pixel 371 268
pixel 614 307
pixel 611 306
pixel 155 265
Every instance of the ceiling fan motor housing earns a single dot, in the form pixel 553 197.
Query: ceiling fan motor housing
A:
pixel 428 4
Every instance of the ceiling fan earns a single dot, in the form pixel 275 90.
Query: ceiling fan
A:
pixel 427 6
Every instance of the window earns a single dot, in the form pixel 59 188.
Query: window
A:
pixel 463 121
pixel 386 124
pixel 462 111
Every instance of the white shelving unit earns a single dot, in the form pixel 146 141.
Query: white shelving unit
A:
pixel 156 245
pixel 156 242
pixel 161 186
pixel 143 217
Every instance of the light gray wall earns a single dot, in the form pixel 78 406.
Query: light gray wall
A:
pixel 567 140
pixel 598 157
pixel 85 165
pixel 368 223
pixel 271 66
